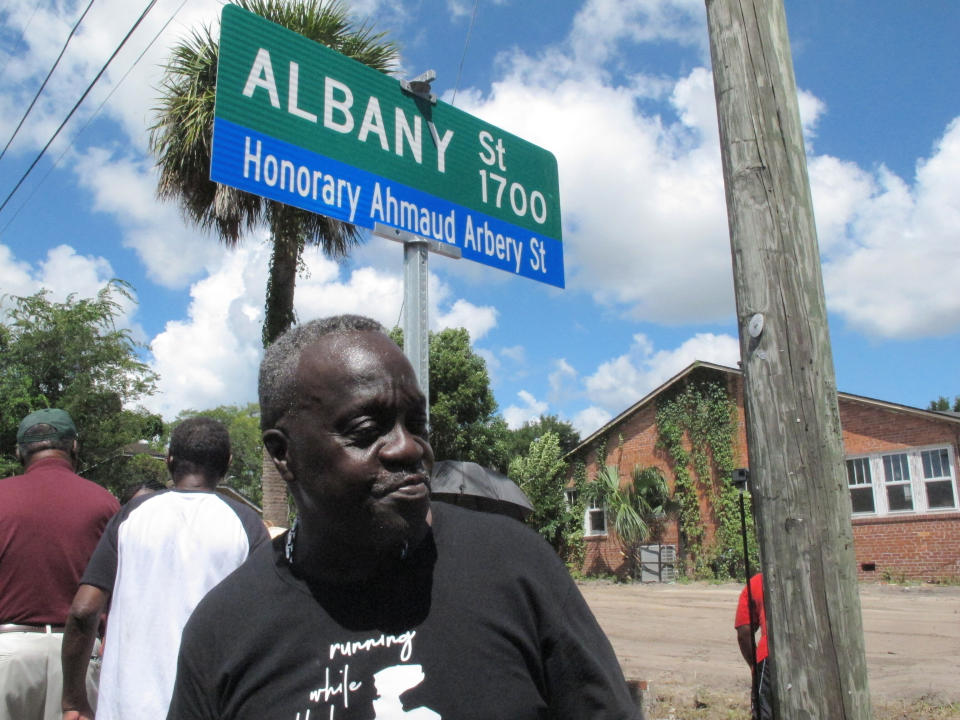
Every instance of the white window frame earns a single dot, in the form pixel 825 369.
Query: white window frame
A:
pixel 593 508
pixel 941 478
pixel 897 475
pixel 915 481
pixel 860 469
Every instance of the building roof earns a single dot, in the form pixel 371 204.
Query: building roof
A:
pixel 652 396
pixel 229 492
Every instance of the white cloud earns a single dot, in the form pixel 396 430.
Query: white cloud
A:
pixel 622 381
pixel 15 275
pixel 476 319
pixel 365 291
pixel 492 362
pixel 642 198
pixel 601 25
pixel 642 194
pixel 893 250
pixel 589 420
pixel 561 380
pixel 811 108
pixel 97 37
pixel 383 13
pixel 517 353
pixel 211 357
pixel 839 189
pixel 530 410
pixel 172 253
pixel 459 9
pixel 63 273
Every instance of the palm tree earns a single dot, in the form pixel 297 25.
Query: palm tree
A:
pixel 635 508
pixel 181 140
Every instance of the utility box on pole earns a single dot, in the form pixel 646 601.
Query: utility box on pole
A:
pixel 800 496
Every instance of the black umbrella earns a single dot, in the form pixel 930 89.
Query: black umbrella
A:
pixel 473 486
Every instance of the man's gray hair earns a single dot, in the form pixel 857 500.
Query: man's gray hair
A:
pixel 278 370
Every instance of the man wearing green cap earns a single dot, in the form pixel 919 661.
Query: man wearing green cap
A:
pixel 50 522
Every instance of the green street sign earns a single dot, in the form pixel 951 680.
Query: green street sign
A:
pixel 302 124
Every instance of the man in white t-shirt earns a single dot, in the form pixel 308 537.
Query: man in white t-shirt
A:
pixel 156 560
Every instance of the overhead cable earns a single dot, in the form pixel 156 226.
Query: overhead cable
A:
pixel 96 112
pixel 466 44
pixel 44 83
pixel 74 109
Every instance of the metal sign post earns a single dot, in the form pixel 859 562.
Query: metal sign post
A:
pixel 416 278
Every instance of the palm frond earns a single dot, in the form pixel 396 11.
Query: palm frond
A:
pixel 182 130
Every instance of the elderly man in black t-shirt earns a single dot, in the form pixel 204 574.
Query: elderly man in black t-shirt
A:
pixel 377 604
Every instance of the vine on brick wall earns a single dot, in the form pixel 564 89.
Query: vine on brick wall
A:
pixel 704 414
pixel 574 536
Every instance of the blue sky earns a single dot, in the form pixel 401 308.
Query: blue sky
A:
pixel 621 92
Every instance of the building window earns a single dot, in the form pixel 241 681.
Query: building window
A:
pixel 896 477
pixel 596 519
pixel 861 485
pixel 938 479
pixel 917 480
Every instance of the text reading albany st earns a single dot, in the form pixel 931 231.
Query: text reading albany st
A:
pixel 299 123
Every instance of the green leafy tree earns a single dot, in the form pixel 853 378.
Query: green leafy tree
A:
pixel 542 474
pixel 142 469
pixel 181 140
pixel 942 404
pixel 463 420
pixel 72 355
pixel 636 508
pixel 518 441
pixel 246 445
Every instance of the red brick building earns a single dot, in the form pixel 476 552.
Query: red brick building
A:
pixel 901 469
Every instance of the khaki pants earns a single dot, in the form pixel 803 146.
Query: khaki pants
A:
pixel 31 682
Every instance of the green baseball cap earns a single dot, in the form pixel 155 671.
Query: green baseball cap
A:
pixel 59 420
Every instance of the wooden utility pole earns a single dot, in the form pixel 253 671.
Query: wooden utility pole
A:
pixel 799 488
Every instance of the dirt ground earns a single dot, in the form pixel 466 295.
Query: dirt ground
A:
pixel 679 639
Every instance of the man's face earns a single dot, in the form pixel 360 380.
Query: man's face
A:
pixel 357 457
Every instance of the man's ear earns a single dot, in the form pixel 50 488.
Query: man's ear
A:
pixel 278 445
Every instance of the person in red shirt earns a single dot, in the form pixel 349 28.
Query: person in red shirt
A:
pixel 747 623
pixel 50 522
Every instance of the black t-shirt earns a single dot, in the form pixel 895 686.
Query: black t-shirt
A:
pixel 482 621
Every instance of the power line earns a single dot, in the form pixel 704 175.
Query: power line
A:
pixel 74 108
pixel 93 115
pixel 463 57
pixel 44 83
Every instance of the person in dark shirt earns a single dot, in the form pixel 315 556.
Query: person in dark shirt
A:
pixel 377 604
pixel 50 522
